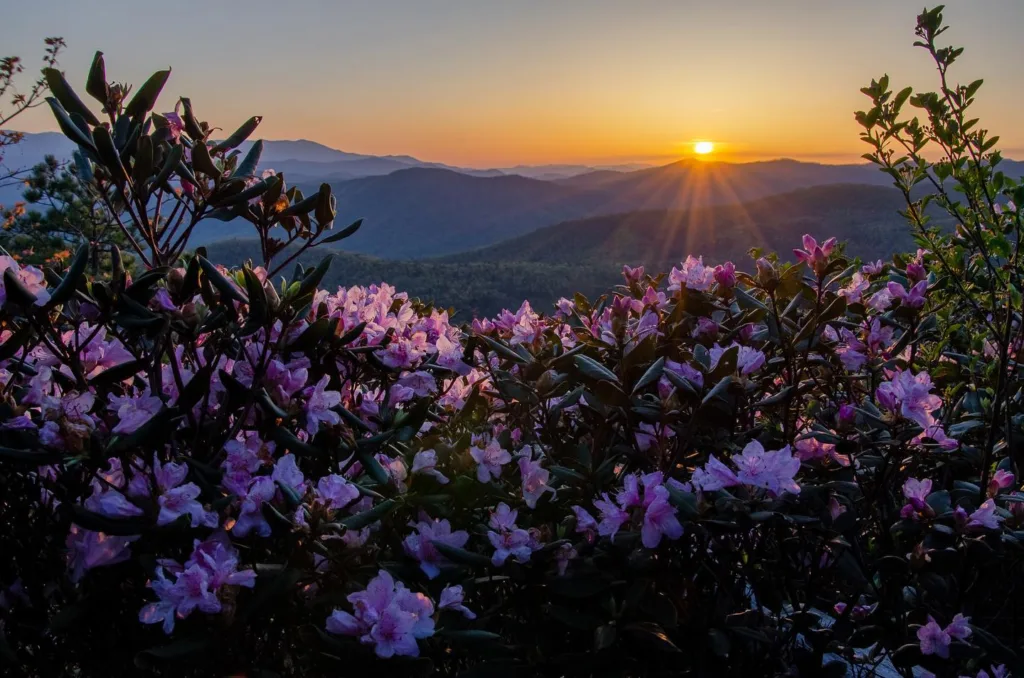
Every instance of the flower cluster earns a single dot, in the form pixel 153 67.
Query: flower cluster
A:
pixel 360 430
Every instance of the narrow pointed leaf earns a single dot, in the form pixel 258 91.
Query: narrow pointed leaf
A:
pixel 344 233
pixel 146 96
pixel 109 155
pixel 593 369
pixel 369 517
pixel 60 89
pixel 96 85
pixel 68 127
pixel 247 167
pixel 171 163
pixel 652 374
pixel 227 289
pixel 240 134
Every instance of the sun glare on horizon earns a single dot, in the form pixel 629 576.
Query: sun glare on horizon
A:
pixel 703 147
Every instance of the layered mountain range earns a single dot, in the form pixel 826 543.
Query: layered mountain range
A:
pixel 483 239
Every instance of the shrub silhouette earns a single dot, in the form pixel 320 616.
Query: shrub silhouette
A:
pixel 807 468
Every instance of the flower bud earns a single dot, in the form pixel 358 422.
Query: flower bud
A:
pixel 725 275
pixel 767 276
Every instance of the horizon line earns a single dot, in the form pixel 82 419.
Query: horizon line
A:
pixel 820 158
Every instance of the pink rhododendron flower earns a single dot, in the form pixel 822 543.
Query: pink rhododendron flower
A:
pixel 212 566
pixel 773 471
pixel 509 540
pixel 686 371
pixel 420 544
pixel 815 255
pixel 910 395
pixel 585 523
pixel 489 459
pixel 693 275
pixel 917 491
pixel 386 615
pixel 425 462
pixel 612 517
pixel 242 461
pixel 852 351
pixel 881 300
pixel 912 298
pixel 503 518
pixel 725 275
pixel 175 125
pixel 985 517
pixel 181 501
pixel 563 556
pixel 714 476
pixel 335 492
pixel 933 639
pixel 250 515
pixel 873 268
pixel 960 627
pixel 287 472
pixel 517 544
pixel 660 520
pixel 809 449
pixel 88 549
pixel 748 360
pixel 853 292
pixel 132 413
pixel 318 406
pixel 111 503
pixel 535 480
pixel 1001 480
pixel 648 435
pixel 633 275
pixel 451 599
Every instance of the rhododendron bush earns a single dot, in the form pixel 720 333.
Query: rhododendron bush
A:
pixel 808 468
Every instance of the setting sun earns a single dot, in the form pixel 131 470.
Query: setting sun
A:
pixel 703 147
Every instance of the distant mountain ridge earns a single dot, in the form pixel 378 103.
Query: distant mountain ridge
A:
pixel 424 212
pixel 310 160
pixel 586 255
pixel 865 217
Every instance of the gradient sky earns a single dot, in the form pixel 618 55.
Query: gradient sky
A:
pixel 495 83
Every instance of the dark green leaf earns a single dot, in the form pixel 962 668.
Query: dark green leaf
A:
pixel 239 135
pixel 247 167
pixel 593 369
pixel 719 391
pixel 73 277
pixel 63 92
pixel 368 517
pixel 461 556
pixel 289 441
pixel 652 374
pixel 29 457
pixel 227 289
pixel 109 155
pixel 118 373
pixel 68 127
pixel 17 293
pixel 344 233
pixel 96 84
pixel 146 96
pixel 16 342
pixel 96 522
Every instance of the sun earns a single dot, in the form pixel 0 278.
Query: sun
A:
pixel 703 147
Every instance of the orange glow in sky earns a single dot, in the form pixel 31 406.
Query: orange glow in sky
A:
pixel 486 84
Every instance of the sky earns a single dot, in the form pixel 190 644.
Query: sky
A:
pixel 489 83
